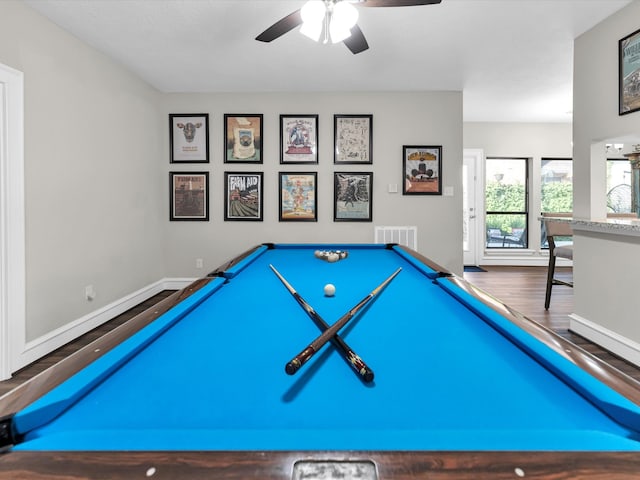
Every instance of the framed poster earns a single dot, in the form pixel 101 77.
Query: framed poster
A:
pixel 298 196
pixel 353 139
pixel 243 196
pixel 629 73
pixel 189 137
pixel 189 192
pixel 298 138
pixel 421 167
pixel 243 138
pixel 353 196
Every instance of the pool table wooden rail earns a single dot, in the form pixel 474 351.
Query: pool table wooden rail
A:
pixel 278 465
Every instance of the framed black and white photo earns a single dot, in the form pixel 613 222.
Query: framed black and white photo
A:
pixel 243 138
pixel 243 196
pixel 353 193
pixel 299 139
pixel 629 73
pixel 353 139
pixel 422 167
pixel 298 197
pixel 189 137
pixel 189 196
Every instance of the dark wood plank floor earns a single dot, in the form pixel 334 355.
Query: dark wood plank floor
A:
pixel 522 288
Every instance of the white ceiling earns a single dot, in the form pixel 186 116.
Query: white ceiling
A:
pixel 511 58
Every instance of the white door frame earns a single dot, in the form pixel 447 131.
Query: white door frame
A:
pixel 12 220
pixel 476 238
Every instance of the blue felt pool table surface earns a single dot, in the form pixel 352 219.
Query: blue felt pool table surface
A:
pixel 209 374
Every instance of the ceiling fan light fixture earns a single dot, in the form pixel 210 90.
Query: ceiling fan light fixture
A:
pixel 343 18
pixel 313 13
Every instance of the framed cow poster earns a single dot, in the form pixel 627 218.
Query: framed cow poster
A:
pixel 189 137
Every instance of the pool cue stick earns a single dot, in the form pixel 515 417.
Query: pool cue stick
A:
pixel 294 365
pixel 352 358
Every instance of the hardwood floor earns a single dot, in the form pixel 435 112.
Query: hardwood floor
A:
pixel 522 288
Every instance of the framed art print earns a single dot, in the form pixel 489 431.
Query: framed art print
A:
pixel 298 196
pixel 298 138
pixel 353 138
pixel 352 196
pixel 629 73
pixel 189 192
pixel 243 196
pixel 189 137
pixel 422 166
pixel 243 138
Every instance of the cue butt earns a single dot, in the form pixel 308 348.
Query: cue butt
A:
pixel 359 366
pixel 299 360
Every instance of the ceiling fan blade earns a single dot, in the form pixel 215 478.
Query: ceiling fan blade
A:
pixel 396 3
pixel 281 27
pixel 356 42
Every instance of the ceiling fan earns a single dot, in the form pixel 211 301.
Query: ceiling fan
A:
pixel 336 18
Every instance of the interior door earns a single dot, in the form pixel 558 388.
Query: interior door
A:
pixel 471 240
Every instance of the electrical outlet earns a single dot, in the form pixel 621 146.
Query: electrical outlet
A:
pixel 89 292
pixel 199 263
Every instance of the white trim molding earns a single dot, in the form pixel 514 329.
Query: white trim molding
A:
pixel 12 219
pixel 49 342
pixel 608 339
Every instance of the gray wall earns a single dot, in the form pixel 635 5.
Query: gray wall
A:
pixel 97 163
pixel 92 177
pixel 595 111
pixel 417 118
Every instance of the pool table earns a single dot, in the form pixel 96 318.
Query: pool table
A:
pixel 462 387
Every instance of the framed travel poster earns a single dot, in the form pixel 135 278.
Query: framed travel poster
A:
pixel 243 138
pixel 189 192
pixel 298 138
pixel 298 197
pixel 352 196
pixel 189 137
pixel 243 196
pixel 629 73
pixel 353 138
pixel 421 167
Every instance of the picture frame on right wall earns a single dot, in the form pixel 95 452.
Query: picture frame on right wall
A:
pixel 422 169
pixel 629 73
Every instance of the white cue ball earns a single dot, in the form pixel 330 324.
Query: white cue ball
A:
pixel 333 257
pixel 329 290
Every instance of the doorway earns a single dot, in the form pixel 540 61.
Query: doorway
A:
pixel 12 220
pixel 472 206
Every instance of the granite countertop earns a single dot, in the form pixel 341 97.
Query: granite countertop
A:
pixel 611 225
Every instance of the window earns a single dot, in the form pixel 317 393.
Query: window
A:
pixel 556 183
pixel 618 186
pixel 506 201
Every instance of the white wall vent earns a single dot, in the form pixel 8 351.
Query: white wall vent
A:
pixel 407 236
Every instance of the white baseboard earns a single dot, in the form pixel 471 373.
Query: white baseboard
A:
pixel 612 341
pixel 46 344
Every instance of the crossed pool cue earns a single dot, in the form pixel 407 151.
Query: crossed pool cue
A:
pixel 329 333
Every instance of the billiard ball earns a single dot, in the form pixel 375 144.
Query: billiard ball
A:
pixel 333 257
pixel 329 290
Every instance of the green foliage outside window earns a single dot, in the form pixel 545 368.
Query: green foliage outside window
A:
pixel 506 198
pixel 557 197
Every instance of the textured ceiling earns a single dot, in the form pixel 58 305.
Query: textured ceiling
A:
pixel 511 58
